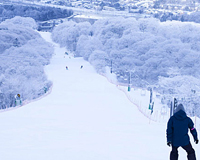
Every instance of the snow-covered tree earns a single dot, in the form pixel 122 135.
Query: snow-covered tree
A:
pixel 22 21
pixel 22 65
pixel 99 60
pixel 146 46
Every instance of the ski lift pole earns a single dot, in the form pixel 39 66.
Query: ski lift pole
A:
pixel 111 66
pixel 175 104
pixel 151 105
pixel 129 82
pixel 129 88
pixel 173 107
pixel 151 95
pixel 150 101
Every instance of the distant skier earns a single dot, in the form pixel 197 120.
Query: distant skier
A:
pixel 66 68
pixel 18 100
pixel 81 67
pixel 177 134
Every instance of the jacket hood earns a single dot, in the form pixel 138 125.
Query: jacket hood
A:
pixel 180 112
pixel 179 107
pixel 180 115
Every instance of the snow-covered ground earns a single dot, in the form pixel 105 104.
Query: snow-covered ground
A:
pixel 85 117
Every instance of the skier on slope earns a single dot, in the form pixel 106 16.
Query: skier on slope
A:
pixel 177 134
pixel 18 100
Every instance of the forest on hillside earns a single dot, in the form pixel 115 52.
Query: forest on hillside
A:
pixel 23 55
pixel 38 13
pixel 145 53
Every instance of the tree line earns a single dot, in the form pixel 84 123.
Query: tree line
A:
pixel 23 55
pixel 38 13
pixel 157 54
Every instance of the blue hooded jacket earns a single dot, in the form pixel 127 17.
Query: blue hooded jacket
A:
pixel 177 128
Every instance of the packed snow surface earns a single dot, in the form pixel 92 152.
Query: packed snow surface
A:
pixel 85 117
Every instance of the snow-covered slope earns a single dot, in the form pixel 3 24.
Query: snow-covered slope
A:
pixel 84 118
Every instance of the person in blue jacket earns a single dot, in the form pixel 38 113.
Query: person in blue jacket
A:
pixel 177 134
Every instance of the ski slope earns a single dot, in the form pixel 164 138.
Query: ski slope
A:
pixel 83 118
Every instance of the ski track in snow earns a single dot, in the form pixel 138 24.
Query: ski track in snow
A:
pixel 84 118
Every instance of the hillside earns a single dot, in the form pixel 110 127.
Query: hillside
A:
pixel 83 118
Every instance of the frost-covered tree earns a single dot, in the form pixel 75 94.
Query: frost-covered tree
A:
pixel 86 45
pixel 12 30
pixel 38 13
pixel 68 33
pixel 99 60
pixel 22 66
pixel 146 47
pixel 184 88
pixel 22 21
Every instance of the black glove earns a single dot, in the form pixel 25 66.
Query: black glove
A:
pixel 169 144
pixel 196 141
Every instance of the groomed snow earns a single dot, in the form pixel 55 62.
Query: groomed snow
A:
pixel 84 118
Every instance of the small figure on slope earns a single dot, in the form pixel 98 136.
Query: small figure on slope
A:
pixel 18 101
